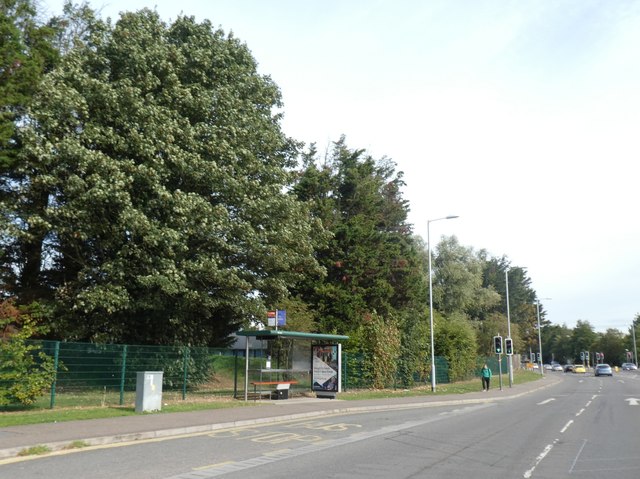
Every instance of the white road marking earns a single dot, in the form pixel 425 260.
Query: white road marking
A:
pixel 542 455
pixel 584 443
pixel 566 426
pixel 546 401
pixel 220 469
pixel 633 401
pixel 579 412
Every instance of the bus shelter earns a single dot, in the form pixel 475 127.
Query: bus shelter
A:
pixel 307 358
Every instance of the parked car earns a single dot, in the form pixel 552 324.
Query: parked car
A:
pixel 568 368
pixel 557 367
pixel 629 367
pixel 603 370
pixel 579 368
pixel 548 367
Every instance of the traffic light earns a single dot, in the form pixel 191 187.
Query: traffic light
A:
pixel 497 344
pixel 508 346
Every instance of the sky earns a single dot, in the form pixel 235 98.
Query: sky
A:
pixel 521 117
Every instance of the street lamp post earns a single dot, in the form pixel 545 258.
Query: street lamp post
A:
pixel 433 356
pixel 510 357
pixel 539 337
pixel 635 349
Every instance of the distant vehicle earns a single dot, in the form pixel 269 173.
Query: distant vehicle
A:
pixel 603 370
pixel 579 368
pixel 548 367
pixel 568 368
pixel 557 367
pixel 629 367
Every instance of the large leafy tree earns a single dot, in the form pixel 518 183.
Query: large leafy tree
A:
pixel 632 339
pixel 583 338
pixel 458 281
pixel 27 52
pixel 160 154
pixel 556 341
pixel 373 262
pixel 522 298
pixel 374 289
pixel 612 344
pixel 496 324
pixel 521 294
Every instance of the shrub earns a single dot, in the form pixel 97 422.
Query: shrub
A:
pixel 25 371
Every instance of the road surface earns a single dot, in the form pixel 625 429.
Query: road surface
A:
pixel 584 427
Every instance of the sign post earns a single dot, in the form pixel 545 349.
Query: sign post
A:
pixel 277 318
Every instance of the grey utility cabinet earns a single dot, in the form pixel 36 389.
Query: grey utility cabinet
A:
pixel 149 391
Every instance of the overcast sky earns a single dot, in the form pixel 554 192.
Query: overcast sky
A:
pixel 522 117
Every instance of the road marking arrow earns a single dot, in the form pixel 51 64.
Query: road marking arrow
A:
pixel 546 401
pixel 633 401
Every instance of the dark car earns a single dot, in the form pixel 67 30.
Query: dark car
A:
pixel 568 368
pixel 603 370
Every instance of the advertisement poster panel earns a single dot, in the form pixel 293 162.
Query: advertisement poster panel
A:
pixel 325 368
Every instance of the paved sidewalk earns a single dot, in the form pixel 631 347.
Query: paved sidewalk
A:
pixel 57 436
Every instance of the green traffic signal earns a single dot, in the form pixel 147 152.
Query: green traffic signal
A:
pixel 508 346
pixel 497 344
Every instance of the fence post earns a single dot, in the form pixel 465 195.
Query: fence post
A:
pixel 235 374
pixel 185 370
pixel 122 373
pixel 56 355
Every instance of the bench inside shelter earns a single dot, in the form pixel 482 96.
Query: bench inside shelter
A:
pixel 280 391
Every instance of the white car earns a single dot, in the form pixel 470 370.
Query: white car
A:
pixel 557 367
pixel 603 370
pixel 629 367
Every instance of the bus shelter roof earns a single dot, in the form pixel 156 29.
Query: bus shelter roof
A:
pixel 272 333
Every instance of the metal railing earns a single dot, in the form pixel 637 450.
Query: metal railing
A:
pixel 105 374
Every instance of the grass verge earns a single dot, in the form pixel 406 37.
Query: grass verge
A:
pixel 40 416
pixel 461 387
pixel 77 414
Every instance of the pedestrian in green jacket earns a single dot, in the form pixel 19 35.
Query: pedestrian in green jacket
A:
pixel 485 373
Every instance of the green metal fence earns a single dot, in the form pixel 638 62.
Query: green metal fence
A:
pixel 108 372
pixel 105 374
